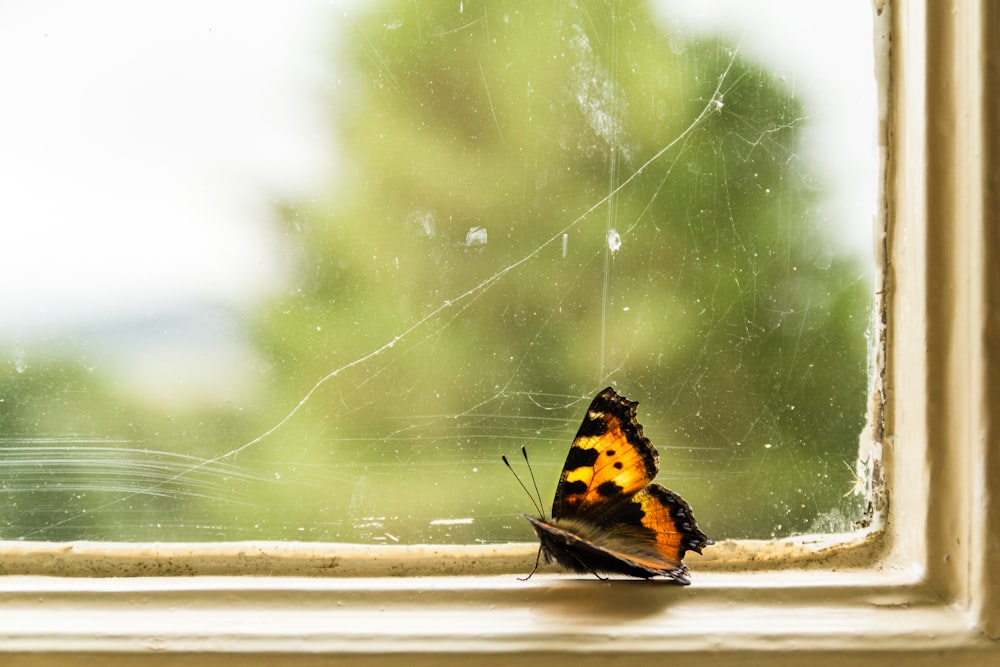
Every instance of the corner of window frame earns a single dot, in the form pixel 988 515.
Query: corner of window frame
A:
pixel 924 587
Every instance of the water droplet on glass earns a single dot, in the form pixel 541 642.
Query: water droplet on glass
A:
pixel 476 236
pixel 614 240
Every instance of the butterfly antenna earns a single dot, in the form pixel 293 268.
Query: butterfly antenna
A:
pixel 536 503
pixel 524 453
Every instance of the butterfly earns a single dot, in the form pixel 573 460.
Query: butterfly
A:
pixel 608 516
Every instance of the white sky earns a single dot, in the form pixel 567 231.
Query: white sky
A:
pixel 140 147
pixel 141 144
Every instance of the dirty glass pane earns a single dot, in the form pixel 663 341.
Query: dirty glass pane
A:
pixel 305 272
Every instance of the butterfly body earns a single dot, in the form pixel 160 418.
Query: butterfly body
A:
pixel 608 516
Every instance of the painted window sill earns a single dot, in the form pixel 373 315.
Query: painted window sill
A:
pixel 854 615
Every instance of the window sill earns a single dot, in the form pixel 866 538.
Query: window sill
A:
pixel 828 615
pixel 310 559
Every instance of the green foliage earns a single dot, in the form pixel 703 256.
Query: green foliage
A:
pixel 723 314
pixel 547 125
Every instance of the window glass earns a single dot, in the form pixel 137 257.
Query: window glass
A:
pixel 306 272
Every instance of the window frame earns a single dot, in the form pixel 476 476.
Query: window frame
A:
pixel 925 587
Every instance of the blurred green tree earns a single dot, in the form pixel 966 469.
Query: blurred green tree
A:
pixel 491 150
pixel 533 201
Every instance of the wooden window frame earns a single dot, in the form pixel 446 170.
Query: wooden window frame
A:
pixel 926 587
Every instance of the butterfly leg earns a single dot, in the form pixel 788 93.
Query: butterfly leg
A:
pixel 538 557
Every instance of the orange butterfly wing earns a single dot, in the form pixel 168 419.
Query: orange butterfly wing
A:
pixel 610 459
pixel 662 519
